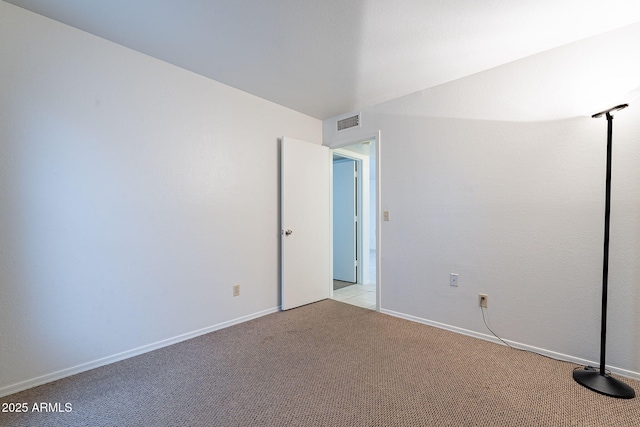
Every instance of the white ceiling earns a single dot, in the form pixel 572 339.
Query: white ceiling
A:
pixel 328 57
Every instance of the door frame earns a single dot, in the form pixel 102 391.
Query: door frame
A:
pixel 376 140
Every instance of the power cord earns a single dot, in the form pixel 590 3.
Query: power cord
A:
pixel 507 344
pixel 494 334
pixel 606 371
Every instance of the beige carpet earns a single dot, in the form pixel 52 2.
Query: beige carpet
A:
pixel 329 364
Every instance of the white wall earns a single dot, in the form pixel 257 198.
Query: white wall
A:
pixel 514 204
pixel 133 195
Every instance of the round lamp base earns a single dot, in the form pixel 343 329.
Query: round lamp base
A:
pixel 604 384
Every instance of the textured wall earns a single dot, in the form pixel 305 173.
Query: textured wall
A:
pixel 514 207
pixel 133 195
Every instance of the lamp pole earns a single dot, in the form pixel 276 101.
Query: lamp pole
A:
pixel 600 381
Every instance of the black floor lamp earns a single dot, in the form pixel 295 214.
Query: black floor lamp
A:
pixel 598 380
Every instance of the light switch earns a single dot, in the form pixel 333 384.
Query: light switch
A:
pixel 387 216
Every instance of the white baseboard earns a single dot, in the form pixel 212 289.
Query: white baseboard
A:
pixel 47 378
pixel 491 338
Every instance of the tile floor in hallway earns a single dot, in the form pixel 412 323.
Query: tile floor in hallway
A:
pixel 361 295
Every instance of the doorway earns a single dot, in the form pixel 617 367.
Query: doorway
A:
pixel 355 225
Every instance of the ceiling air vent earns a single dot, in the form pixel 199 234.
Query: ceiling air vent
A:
pixel 349 122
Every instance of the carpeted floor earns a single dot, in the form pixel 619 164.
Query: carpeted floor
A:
pixel 339 284
pixel 328 364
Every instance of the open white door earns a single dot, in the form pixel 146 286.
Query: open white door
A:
pixel 306 222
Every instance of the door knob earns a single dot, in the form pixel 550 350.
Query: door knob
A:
pixel 288 232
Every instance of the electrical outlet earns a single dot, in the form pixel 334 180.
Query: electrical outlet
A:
pixel 483 300
pixel 453 279
pixel 236 290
